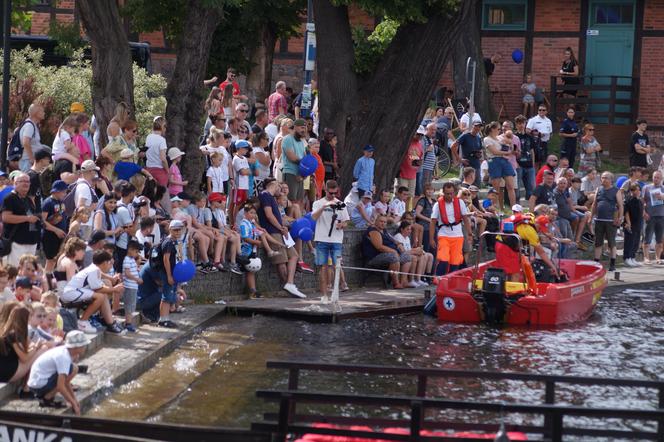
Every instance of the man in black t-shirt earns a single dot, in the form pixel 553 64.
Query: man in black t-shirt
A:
pixel 41 162
pixel 639 147
pixel 327 154
pixel 21 221
pixel 543 193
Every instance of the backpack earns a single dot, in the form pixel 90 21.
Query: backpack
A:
pixel 156 257
pixel 15 147
pixel 46 180
pixel 70 199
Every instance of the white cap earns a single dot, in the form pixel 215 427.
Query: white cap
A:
pixel 517 208
pixel 176 224
pixel 422 130
pixel 75 339
pixel 88 166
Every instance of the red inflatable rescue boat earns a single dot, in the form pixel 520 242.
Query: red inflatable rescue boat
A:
pixel 482 294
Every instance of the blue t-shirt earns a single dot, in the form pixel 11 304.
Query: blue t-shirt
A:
pixel 469 143
pixel 569 127
pixel 55 213
pixel 267 200
pixel 4 192
pixel 364 172
pixel 125 170
pixel 247 230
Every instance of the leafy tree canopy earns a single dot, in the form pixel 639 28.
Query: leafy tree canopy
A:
pixel 238 34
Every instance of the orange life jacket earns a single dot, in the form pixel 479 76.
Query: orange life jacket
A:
pixel 443 212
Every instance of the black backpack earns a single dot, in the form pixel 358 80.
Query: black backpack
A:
pixel 15 147
pixel 156 257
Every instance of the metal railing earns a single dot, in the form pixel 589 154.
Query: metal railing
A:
pixel 287 420
pixel 611 91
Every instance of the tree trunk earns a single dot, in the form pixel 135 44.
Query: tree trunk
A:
pixel 185 93
pixel 471 46
pixel 112 75
pixel 385 108
pixel 259 78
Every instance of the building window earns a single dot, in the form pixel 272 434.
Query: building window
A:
pixel 613 14
pixel 504 14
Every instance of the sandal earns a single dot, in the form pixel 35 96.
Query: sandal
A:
pixel 51 403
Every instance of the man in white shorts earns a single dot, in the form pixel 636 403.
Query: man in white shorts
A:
pixel 88 286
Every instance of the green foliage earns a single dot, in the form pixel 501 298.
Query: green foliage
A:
pixel 369 49
pixel 67 84
pixel 68 36
pixel 165 15
pixel 21 14
pixel 239 33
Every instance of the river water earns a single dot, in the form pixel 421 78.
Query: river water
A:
pixel 212 379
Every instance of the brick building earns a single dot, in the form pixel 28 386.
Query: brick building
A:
pixel 621 38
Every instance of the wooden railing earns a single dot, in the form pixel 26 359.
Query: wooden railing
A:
pixel 288 421
pixel 596 90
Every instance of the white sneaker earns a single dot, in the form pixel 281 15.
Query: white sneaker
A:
pixel 413 284
pixel 324 300
pixel 630 262
pixel 86 327
pixel 293 290
pixel 636 263
pixel 423 283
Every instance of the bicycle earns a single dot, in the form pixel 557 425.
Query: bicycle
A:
pixel 443 164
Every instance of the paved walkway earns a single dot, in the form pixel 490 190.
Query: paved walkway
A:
pixel 114 360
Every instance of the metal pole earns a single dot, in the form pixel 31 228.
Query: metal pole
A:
pixel 307 101
pixel 6 47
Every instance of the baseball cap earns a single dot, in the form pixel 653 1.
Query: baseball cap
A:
pixel 126 153
pixel 216 196
pixel 174 153
pixel 3 173
pixel 59 186
pixel 176 199
pixel 97 235
pixel 367 194
pixel 89 166
pixel 548 172
pixel 176 224
pixel 421 130
pixel 76 339
pixel 474 189
pixel 14 174
pixel 517 208
pixel 76 107
pixel 492 190
pixel 312 141
pixel 299 122
pixel 369 148
pixel 242 144
pixel 477 123
pixel 23 282
pixel 184 196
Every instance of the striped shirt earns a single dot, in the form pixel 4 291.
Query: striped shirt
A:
pixel 129 266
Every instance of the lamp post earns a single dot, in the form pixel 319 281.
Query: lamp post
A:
pixel 6 28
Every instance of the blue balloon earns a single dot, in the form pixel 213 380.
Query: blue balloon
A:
pixel 184 271
pixel 306 234
pixel 517 56
pixel 312 222
pixel 297 226
pixel 308 165
pixel 620 181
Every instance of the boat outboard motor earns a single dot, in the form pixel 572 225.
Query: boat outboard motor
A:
pixel 493 292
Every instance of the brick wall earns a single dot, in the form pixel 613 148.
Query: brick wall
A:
pixel 210 287
pixel 651 89
pixel 548 54
pixel 653 17
pixel 508 76
pixel 40 21
pixel 560 15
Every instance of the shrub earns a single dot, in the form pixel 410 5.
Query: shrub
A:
pixel 58 87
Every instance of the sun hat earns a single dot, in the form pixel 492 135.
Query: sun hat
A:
pixel 76 339
pixel 76 107
pixel 174 153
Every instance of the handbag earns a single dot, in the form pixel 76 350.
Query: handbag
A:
pixel 6 243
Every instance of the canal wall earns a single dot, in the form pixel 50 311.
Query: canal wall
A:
pixel 230 287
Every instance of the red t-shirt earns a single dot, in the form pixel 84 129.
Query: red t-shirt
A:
pixel 236 87
pixel 539 178
pixel 407 170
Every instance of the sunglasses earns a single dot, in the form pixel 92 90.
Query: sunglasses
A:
pixel 542 110
pixel 243 131
pixel 243 111
pixel 591 130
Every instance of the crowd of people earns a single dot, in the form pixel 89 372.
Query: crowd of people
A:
pixel 93 233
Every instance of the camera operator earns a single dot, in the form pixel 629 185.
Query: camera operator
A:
pixel 331 218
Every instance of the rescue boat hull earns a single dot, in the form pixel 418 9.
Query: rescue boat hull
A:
pixel 552 304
